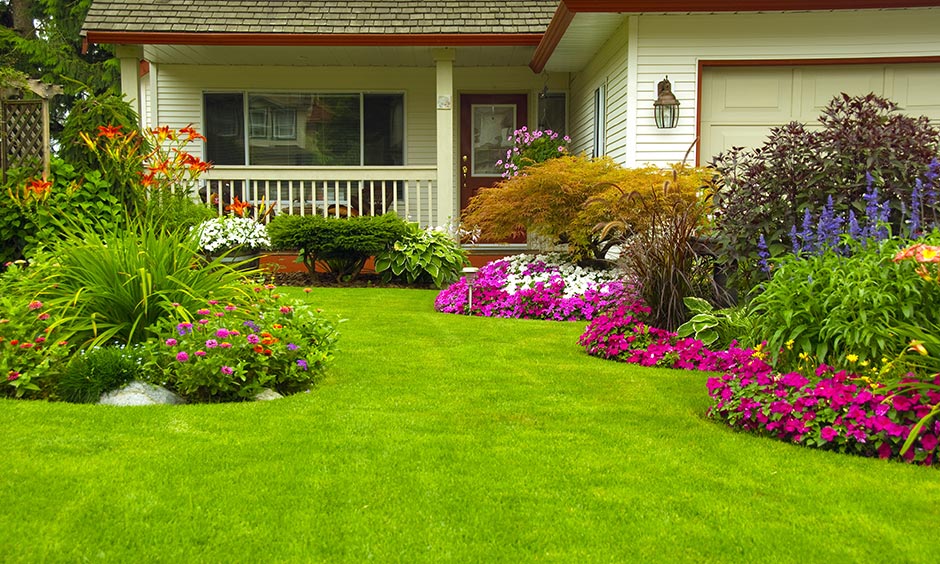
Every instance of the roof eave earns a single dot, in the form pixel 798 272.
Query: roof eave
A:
pixel 302 39
pixel 568 8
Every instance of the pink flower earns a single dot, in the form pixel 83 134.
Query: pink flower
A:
pixel 286 309
pixel 211 344
pixel 35 304
pixel 226 345
pixel 222 333
pixel 13 375
pixel 828 434
pixel 253 339
pixel 43 316
pixel 213 302
pixel 182 356
pixel 171 342
pixel 203 311
pixel 230 308
pixel 200 353
pixel 227 370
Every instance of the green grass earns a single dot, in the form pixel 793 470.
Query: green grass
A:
pixel 444 438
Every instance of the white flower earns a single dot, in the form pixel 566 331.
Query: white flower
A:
pixel 224 233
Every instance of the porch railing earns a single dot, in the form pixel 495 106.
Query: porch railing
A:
pixel 409 191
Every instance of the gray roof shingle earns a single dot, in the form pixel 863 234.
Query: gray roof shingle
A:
pixel 321 16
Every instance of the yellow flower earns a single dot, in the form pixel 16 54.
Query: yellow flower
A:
pixel 863 363
pixel 918 347
pixel 789 345
pixel 804 356
pixel 851 357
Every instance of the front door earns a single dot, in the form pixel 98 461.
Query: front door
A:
pixel 487 122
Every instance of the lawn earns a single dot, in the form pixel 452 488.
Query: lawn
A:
pixel 445 438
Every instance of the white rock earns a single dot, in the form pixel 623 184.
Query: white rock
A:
pixel 267 394
pixel 140 393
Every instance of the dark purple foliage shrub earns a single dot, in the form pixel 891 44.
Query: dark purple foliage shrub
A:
pixel 863 141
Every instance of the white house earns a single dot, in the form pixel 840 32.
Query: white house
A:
pixel 406 105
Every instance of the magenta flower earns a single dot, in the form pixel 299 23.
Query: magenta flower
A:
pixel 828 434
pixel 227 370
pixel 200 353
pixel 211 344
pixel 225 345
pixel 230 308
pixel 222 333
pixel 182 356
pixel 213 302
pixel 253 339
pixel 171 342
pixel 203 311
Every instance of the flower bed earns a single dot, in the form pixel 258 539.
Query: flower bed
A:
pixel 832 410
pixel 536 287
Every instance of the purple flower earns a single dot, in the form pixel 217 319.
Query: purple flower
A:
pixel 184 328
pixel 292 347
pixel 302 364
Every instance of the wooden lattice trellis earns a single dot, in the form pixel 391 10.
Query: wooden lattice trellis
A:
pixel 24 139
pixel 24 130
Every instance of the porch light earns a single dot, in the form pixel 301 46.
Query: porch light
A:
pixel 470 274
pixel 666 107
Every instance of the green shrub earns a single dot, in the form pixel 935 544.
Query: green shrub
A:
pixel 86 115
pixel 342 245
pixel 97 371
pixel 765 191
pixel 32 353
pixel 423 256
pixel 831 306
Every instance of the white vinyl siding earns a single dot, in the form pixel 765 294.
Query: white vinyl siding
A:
pixel 674 44
pixel 181 88
pixel 607 68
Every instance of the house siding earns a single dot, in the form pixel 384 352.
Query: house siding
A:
pixel 608 67
pixel 674 44
pixel 180 89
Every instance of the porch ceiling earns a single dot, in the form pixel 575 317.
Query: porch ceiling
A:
pixel 335 56
pixel 585 35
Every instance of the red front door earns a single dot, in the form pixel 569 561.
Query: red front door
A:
pixel 487 121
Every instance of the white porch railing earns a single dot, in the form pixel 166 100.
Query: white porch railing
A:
pixel 409 191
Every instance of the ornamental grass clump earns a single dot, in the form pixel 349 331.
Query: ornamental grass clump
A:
pixel 536 287
pixel 227 352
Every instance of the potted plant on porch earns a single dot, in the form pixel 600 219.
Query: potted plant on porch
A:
pixel 234 239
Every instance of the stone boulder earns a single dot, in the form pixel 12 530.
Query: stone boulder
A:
pixel 267 394
pixel 140 393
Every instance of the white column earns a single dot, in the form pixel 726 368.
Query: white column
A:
pixel 130 56
pixel 446 168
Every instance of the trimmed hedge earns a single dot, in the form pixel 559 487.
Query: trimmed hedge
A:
pixel 342 244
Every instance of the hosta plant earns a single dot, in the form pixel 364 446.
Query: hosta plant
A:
pixel 422 256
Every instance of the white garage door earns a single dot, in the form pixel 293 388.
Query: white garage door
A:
pixel 739 104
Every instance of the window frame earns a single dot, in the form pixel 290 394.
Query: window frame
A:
pixel 246 93
pixel 599 148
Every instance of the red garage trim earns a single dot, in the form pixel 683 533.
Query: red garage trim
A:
pixel 702 65
pixel 300 39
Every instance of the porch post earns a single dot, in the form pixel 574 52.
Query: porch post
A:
pixel 446 207
pixel 130 56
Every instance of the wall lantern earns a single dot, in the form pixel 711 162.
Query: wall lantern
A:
pixel 666 107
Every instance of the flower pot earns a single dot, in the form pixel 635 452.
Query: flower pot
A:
pixel 241 261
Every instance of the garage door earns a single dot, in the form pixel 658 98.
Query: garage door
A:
pixel 740 104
